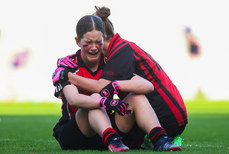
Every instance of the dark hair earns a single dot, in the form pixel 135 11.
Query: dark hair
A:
pixel 88 23
pixel 104 13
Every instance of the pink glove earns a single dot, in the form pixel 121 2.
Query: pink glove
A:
pixel 60 75
pixel 117 105
pixel 67 62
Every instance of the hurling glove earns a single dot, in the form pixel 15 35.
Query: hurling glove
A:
pixel 110 89
pixel 67 62
pixel 60 75
pixel 117 105
pixel 59 89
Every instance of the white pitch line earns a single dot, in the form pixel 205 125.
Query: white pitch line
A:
pixel 203 146
pixel 37 140
pixel 8 139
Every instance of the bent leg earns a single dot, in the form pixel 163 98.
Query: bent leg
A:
pixel 81 117
pixel 143 114
pixel 147 120
pixel 99 120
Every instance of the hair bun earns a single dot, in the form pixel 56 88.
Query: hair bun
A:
pixel 102 12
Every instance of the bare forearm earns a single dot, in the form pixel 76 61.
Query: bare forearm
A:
pixel 90 85
pixel 136 85
pixel 84 101
pixel 80 100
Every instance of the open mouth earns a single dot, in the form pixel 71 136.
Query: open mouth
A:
pixel 94 53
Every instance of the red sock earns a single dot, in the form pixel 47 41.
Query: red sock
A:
pixel 156 133
pixel 108 135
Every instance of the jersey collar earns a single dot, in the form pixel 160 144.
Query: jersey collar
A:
pixel 112 43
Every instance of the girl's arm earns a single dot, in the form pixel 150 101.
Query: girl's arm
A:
pixel 78 100
pixel 136 84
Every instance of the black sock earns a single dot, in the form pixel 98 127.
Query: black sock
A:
pixel 108 135
pixel 156 133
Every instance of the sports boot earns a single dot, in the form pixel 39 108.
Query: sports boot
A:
pixel 165 144
pixel 117 145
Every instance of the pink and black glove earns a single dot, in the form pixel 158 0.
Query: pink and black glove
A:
pixel 67 62
pixel 117 105
pixel 60 75
pixel 110 89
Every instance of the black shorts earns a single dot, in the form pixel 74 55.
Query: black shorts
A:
pixel 165 117
pixel 70 137
pixel 173 131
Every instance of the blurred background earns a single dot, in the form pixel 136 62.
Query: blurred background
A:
pixel 188 38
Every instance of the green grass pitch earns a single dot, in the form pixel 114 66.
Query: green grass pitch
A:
pixel 27 128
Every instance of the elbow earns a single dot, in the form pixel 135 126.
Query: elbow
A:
pixel 71 102
pixel 151 88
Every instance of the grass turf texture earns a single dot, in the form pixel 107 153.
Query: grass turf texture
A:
pixel 27 128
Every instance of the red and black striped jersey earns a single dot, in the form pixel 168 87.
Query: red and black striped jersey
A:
pixel 67 110
pixel 126 58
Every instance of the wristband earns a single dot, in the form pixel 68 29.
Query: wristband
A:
pixel 102 101
pixel 116 86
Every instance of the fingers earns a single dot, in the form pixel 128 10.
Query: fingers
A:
pixel 55 78
pixel 58 76
pixel 123 109
pixel 127 105
pixel 69 63
pixel 120 112
pixel 73 64
pixel 66 62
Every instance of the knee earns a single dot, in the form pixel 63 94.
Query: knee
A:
pixel 82 113
pixel 96 111
pixel 136 100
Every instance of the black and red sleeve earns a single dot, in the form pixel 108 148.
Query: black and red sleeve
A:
pixel 120 66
